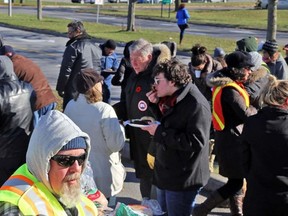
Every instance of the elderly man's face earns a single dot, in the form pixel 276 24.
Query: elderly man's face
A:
pixel 139 62
pixel 66 177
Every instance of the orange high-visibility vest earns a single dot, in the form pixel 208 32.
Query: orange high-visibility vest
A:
pixel 217 115
pixel 32 197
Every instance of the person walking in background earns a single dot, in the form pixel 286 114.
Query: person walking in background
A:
pixel 265 137
pixel 143 56
pixel 231 108
pixel 124 70
pixel 49 182
pixel 109 64
pixel 99 121
pixel 182 17
pixel 80 53
pixel 28 71
pixel 16 119
pixel 181 139
pixel 274 60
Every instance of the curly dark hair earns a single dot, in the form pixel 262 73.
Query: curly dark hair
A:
pixel 198 55
pixel 173 70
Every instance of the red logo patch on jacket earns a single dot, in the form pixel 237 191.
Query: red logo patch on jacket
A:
pixel 138 89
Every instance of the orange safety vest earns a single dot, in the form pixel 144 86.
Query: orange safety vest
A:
pixel 32 197
pixel 217 115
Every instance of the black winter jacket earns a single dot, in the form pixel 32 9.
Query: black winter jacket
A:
pixel 137 106
pixel 15 116
pixel 80 53
pixel 265 137
pixel 181 161
pixel 228 146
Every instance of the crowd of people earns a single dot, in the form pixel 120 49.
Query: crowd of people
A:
pixel 230 106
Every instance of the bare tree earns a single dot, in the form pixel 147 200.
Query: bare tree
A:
pixel 177 3
pixel 272 20
pixel 131 16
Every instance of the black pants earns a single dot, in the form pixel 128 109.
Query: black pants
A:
pixel 182 30
pixel 231 188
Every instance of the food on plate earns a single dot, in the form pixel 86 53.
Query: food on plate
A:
pixel 145 120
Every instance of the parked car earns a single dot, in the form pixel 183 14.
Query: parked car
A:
pixel 282 4
pixel 118 1
pixel 83 1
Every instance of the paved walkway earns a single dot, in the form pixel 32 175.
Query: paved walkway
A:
pixel 131 193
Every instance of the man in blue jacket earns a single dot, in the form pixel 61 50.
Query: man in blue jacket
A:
pixel 109 64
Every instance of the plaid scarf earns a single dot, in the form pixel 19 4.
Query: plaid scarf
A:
pixel 166 103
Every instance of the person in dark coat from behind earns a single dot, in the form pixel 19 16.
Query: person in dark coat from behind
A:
pixel 265 136
pixel 15 119
pixel 28 71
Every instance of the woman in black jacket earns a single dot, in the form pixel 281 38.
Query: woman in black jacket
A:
pixel 266 137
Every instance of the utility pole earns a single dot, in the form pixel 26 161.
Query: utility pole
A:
pixel 10 8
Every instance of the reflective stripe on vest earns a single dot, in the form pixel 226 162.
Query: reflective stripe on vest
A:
pixel 217 115
pixel 33 197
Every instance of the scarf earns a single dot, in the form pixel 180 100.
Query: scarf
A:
pixel 166 103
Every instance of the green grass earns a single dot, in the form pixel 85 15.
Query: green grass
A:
pixel 117 33
pixel 239 18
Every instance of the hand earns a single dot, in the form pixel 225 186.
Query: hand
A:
pixel 152 96
pixel 150 160
pixel 151 128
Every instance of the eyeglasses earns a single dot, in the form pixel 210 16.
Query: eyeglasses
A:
pixel 67 160
pixel 157 80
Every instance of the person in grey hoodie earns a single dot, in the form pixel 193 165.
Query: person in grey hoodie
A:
pixel 15 119
pixel 50 180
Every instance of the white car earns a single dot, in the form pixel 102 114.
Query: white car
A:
pixel 282 4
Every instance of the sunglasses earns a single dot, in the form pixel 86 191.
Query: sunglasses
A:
pixel 67 160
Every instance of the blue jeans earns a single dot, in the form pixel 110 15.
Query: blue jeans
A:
pixel 107 89
pixel 38 113
pixel 177 203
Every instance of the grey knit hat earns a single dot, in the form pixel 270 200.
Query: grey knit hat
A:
pixel 271 46
pixel 256 59
pixel 76 143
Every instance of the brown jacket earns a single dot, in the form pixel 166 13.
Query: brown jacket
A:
pixel 30 72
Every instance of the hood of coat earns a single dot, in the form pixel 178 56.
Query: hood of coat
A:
pixel 53 131
pixel 258 74
pixel 161 53
pixel 6 69
pixel 218 78
pixel 78 37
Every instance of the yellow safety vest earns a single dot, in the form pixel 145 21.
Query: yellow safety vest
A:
pixel 33 197
pixel 217 115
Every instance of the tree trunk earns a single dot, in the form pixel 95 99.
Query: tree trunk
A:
pixel 272 20
pixel 39 9
pixel 177 3
pixel 131 16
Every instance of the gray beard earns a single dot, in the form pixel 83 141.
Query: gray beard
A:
pixel 70 196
